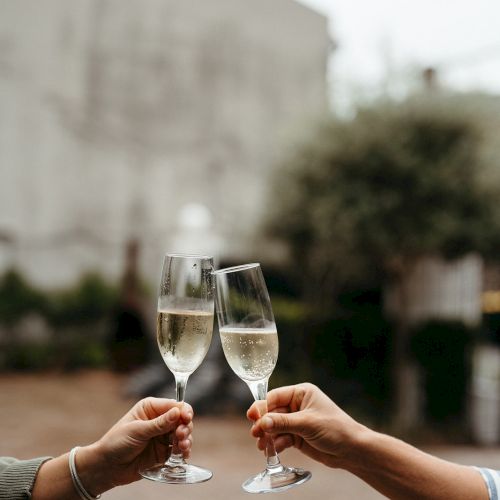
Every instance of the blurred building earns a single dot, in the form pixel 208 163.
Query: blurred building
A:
pixel 439 290
pixel 124 119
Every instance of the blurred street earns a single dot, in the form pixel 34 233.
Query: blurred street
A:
pixel 47 414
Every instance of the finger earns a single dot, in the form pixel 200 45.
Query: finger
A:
pixel 290 396
pixel 148 429
pixel 149 408
pixel 189 427
pixel 182 432
pixel 283 441
pixel 279 397
pixel 282 409
pixel 187 413
pixel 262 443
pixel 280 423
pixel 185 445
pixel 258 408
pixel 253 413
pixel 187 453
pixel 256 431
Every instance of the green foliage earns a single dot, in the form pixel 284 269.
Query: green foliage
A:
pixel 77 315
pixel 288 310
pixel 78 349
pixel 75 351
pixel 442 349
pixel 346 353
pixel 88 302
pixel 27 356
pixel 394 183
pixel 350 350
pixel 294 364
pixel 18 298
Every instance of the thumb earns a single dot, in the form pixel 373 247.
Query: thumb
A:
pixel 279 423
pixel 148 429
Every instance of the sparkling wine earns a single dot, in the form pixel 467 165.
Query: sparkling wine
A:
pixel 184 338
pixel 251 352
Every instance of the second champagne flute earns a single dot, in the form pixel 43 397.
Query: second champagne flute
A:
pixel 250 343
pixel 184 332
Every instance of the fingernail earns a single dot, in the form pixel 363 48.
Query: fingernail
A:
pixel 266 423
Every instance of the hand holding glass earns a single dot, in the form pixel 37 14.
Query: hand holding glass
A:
pixel 250 343
pixel 184 332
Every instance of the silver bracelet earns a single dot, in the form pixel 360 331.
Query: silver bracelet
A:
pixel 82 492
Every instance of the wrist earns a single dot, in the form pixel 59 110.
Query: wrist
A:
pixel 356 449
pixel 92 470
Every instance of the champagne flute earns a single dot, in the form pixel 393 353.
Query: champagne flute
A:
pixel 184 331
pixel 250 343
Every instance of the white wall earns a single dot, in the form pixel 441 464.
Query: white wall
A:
pixel 114 115
pixel 441 290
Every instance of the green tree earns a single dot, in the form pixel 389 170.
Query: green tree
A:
pixel 90 301
pixel 18 298
pixel 360 201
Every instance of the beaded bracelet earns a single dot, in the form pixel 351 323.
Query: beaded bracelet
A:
pixel 82 492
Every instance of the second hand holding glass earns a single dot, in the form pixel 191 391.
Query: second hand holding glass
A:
pixel 184 332
pixel 250 343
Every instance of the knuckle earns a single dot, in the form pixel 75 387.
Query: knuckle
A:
pixel 307 386
pixel 282 422
pixel 159 424
pixel 146 403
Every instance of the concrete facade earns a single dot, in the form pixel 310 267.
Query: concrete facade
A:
pixel 116 115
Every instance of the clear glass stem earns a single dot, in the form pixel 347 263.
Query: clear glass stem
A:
pixel 176 457
pixel 259 392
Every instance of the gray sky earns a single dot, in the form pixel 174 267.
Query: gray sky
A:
pixel 383 43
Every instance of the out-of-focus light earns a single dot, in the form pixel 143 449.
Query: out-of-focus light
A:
pixel 195 216
pixel 491 301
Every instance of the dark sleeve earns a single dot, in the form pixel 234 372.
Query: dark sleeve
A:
pixel 17 477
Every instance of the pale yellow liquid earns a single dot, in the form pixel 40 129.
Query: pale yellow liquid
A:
pixel 251 352
pixel 184 338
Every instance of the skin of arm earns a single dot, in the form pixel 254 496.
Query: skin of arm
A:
pixel 304 417
pixel 138 440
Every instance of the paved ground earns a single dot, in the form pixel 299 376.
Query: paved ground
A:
pixel 48 414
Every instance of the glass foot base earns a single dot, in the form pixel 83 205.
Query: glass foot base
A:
pixel 272 482
pixel 178 474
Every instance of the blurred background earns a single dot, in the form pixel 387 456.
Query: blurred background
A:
pixel 350 147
